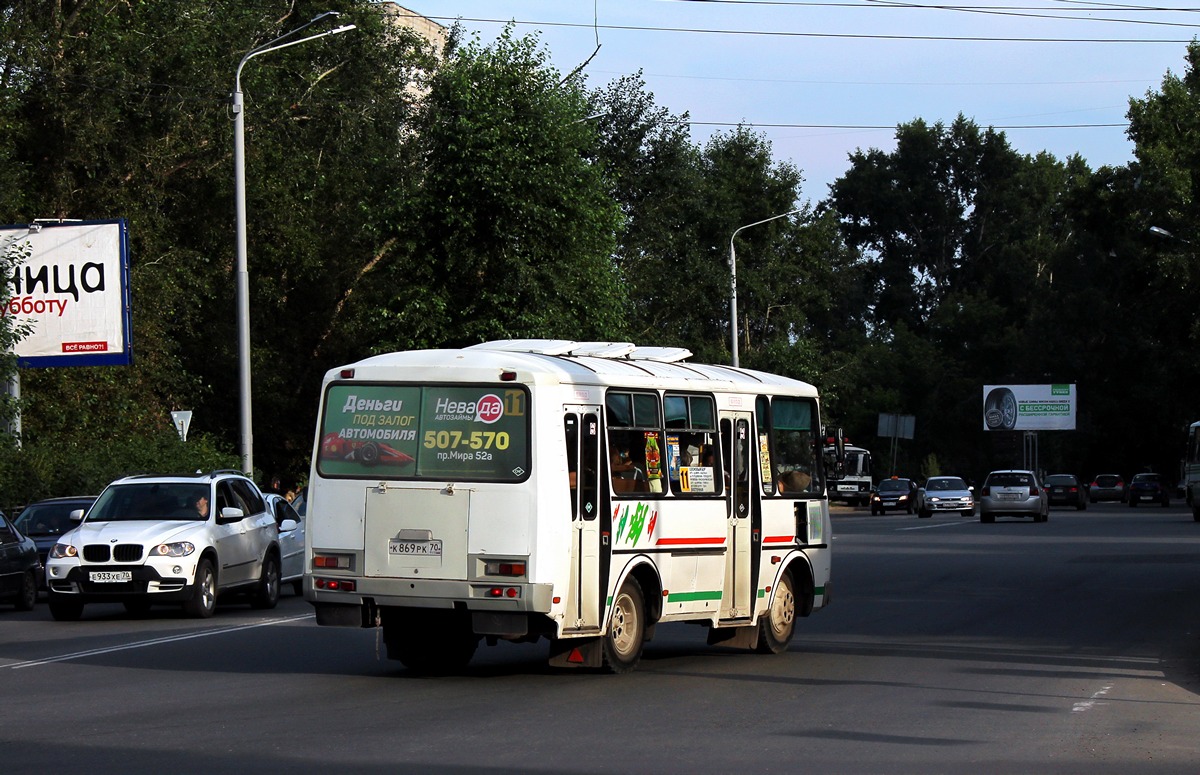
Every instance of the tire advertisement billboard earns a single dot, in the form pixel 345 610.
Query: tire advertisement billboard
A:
pixel 1029 407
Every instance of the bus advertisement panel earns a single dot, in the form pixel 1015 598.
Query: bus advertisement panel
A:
pixel 426 432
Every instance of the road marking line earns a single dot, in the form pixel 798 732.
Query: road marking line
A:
pixel 928 527
pixel 155 642
pixel 1086 705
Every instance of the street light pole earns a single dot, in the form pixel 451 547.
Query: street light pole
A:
pixel 733 321
pixel 243 277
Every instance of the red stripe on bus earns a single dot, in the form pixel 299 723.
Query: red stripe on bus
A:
pixel 779 539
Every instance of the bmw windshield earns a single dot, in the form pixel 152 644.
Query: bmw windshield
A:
pixel 154 501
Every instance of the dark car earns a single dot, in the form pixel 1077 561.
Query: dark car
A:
pixel 892 494
pixel 1066 490
pixel 1148 488
pixel 19 567
pixel 45 521
pixel 1107 487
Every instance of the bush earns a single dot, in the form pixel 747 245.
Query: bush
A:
pixel 33 472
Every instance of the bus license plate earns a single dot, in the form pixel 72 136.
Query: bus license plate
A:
pixel 110 576
pixel 415 548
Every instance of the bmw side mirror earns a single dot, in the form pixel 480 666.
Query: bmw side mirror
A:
pixel 231 514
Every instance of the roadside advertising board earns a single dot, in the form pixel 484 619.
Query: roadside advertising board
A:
pixel 73 290
pixel 1029 407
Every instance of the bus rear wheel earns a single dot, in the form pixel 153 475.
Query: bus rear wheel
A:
pixel 626 629
pixel 775 629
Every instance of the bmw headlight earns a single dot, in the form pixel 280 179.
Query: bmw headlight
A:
pixel 61 551
pixel 177 549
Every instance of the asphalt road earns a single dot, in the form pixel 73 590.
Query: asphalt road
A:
pixel 951 646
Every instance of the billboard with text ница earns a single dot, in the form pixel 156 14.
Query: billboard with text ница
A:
pixel 72 288
pixel 1029 407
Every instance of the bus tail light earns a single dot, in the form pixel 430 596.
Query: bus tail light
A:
pixel 332 561
pixel 335 585
pixel 504 568
pixel 511 592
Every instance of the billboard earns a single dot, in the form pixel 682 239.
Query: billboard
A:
pixel 1029 407
pixel 73 290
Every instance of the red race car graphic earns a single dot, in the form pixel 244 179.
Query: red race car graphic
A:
pixel 369 453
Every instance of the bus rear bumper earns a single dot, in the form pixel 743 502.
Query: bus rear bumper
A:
pixel 498 605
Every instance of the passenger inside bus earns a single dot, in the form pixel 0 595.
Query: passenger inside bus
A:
pixel 626 475
pixel 794 481
pixel 796 463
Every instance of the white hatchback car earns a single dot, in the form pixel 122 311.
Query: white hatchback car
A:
pixel 168 539
pixel 1013 494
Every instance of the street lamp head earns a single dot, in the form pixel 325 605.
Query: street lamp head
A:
pixel 321 16
pixel 1158 231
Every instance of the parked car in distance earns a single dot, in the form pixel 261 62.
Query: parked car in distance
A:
pixel 291 540
pixel 46 521
pixel 19 567
pixel 153 539
pixel 1066 490
pixel 1148 488
pixel 1107 487
pixel 1013 493
pixel 945 493
pixel 892 494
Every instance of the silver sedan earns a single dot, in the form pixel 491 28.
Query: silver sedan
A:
pixel 945 493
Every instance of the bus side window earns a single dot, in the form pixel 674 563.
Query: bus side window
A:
pixel 571 431
pixel 795 447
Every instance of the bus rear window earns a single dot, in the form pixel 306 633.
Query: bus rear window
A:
pixel 440 432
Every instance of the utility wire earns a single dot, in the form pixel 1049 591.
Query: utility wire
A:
pixel 814 35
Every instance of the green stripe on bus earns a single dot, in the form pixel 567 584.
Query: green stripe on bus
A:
pixel 683 597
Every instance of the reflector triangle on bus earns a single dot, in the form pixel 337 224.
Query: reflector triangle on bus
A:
pixel 575 656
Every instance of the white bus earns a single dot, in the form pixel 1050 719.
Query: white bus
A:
pixel 851 481
pixel 1191 470
pixel 578 492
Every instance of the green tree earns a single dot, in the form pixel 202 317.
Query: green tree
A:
pixel 510 232
pixel 123 110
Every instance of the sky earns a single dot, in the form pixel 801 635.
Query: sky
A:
pixel 823 79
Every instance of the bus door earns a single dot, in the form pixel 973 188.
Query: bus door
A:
pixel 736 449
pixel 589 554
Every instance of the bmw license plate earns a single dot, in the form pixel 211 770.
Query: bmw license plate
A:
pixel 110 576
pixel 415 548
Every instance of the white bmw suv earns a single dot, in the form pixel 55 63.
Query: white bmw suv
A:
pixel 168 539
